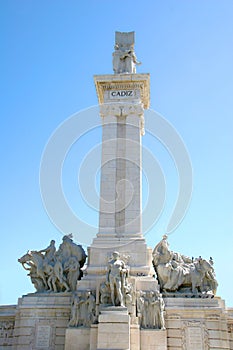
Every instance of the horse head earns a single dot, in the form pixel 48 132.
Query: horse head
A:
pixel 25 258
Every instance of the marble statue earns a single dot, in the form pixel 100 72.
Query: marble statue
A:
pixel 90 309
pixel 160 312
pixel 116 277
pixel 105 293
pixel 178 273
pixel 50 251
pixel 76 303
pixel 129 298
pixel 83 309
pixel 55 271
pixel 150 309
pixel 124 58
pixel 72 269
pixel 141 309
pixel 56 277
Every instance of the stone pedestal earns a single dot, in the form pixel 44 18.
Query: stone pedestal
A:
pixel 78 339
pixel 153 339
pixel 195 323
pixel 41 321
pixel 114 329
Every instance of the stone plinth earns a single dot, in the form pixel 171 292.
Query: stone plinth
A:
pixel 77 339
pixel 114 329
pixel 153 339
pixel 196 323
pixel 41 321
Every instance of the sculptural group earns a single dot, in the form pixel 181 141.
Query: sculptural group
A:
pixel 150 309
pixel 178 273
pixel 59 270
pixel 55 271
pixel 83 309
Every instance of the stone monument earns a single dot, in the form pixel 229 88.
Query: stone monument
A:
pixel 126 296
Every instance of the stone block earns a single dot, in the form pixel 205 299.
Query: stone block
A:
pixel 24 340
pixel 153 339
pixel 60 340
pixel 175 342
pixel 22 331
pixel 77 339
pixel 60 331
pixel 113 318
pixel 223 344
pixel 93 337
pixel 134 337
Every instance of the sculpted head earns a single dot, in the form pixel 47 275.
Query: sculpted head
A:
pixel 115 255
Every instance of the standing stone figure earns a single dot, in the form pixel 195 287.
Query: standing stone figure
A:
pixel 150 309
pixel 116 277
pixel 90 309
pixel 124 58
pixel 76 303
pixel 50 251
pixel 72 269
pixel 141 309
pixel 161 324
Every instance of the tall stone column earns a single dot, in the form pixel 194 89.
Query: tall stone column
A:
pixel 122 99
pixel 120 192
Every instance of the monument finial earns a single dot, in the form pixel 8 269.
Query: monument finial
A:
pixel 124 58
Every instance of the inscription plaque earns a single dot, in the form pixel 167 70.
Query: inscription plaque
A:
pixel 123 94
pixel 194 338
pixel 43 337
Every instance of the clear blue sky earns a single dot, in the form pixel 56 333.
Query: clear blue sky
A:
pixel 49 54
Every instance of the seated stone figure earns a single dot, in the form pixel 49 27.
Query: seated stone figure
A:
pixel 179 273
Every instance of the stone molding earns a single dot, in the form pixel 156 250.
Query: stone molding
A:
pixel 111 82
pixel 120 109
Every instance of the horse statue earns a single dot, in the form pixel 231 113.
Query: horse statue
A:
pixel 55 271
pixel 33 262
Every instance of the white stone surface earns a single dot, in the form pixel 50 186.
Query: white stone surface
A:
pixel 153 339
pixel 114 330
pixel 77 339
pixel 202 322
pixel 42 318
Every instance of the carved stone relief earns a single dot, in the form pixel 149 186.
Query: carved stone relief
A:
pixel 83 309
pixel 194 336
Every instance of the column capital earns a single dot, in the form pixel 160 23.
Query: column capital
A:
pixel 121 109
pixel 123 88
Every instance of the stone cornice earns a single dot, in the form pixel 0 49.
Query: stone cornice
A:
pixel 111 82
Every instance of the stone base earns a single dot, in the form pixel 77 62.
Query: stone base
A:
pixel 114 329
pixel 40 323
pixel 41 320
pixel 77 339
pixel 115 333
pixel 153 339
pixel 134 252
pixel 195 323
